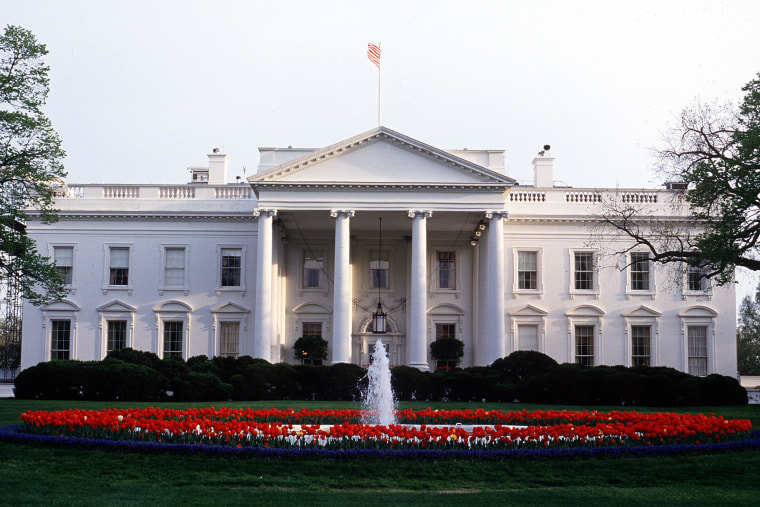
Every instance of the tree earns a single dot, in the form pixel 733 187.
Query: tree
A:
pixel 30 165
pixel 715 153
pixel 310 350
pixel 447 351
pixel 748 335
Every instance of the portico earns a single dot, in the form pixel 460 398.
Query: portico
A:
pixel 430 202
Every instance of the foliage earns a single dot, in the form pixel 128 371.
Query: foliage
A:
pixel 30 165
pixel 447 350
pixel 715 152
pixel 525 376
pixel 33 475
pixel 748 335
pixel 310 350
pixel 489 433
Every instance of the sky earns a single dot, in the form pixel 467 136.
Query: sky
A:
pixel 141 90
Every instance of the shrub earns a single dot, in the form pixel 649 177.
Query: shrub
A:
pixel 112 379
pixel 523 364
pixel 447 351
pixel 200 387
pixel 310 350
pixel 133 356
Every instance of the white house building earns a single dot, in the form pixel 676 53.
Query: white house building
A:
pixel 442 240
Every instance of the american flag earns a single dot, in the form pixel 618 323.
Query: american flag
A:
pixel 373 53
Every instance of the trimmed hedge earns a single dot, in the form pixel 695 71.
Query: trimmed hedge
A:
pixel 523 376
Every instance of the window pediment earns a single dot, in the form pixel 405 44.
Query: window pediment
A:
pixel 642 311
pixel 116 306
pixel 230 307
pixel 585 311
pixel 173 306
pixel 698 311
pixel 529 311
pixel 62 306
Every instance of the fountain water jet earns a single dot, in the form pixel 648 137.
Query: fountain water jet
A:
pixel 379 406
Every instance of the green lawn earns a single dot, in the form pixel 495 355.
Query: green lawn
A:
pixel 34 475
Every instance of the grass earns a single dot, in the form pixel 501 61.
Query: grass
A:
pixel 33 475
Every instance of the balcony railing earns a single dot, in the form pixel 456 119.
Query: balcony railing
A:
pixel 160 192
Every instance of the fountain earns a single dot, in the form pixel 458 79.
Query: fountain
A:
pixel 379 407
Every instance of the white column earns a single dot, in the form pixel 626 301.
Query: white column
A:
pixel 341 336
pixel 495 338
pixel 262 335
pixel 417 338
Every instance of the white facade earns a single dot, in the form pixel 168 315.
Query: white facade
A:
pixel 215 269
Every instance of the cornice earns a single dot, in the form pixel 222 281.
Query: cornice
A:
pixel 283 186
pixel 169 217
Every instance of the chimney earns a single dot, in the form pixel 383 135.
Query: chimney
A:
pixel 217 167
pixel 543 168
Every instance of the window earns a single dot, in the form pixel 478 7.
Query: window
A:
pixel 640 271
pixel 527 337
pixel 447 270
pixel 229 339
pixel 119 266
pixel 583 272
pixel 63 257
pixel 173 338
pixel 445 331
pixel 697 336
pixel 641 338
pixel 379 269
pixel 116 338
pixel 312 329
pixel 313 264
pixel 60 343
pixel 174 267
pixel 696 281
pixel 231 267
pixel 584 345
pixel 527 270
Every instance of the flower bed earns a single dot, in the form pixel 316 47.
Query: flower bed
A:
pixel 428 430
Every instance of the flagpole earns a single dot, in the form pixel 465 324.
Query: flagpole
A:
pixel 379 94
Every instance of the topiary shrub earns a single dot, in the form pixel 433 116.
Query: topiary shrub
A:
pixel 447 351
pixel 310 350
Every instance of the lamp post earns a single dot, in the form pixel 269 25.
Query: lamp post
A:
pixel 379 317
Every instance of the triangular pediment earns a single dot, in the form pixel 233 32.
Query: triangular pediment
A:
pixel 380 157
pixel 529 311
pixel 642 311
pixel 230 307
pixel 116 306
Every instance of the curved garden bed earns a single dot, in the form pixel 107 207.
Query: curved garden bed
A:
pixel 419 434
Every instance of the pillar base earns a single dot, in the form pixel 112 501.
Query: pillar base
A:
pixel 420 366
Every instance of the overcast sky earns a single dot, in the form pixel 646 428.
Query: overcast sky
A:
pixel 140 90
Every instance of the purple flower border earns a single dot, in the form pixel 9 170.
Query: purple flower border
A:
pixel 13 434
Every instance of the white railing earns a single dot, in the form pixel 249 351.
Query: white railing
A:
pixel 121 192
pixel 176 192
pixel 236 192
pixel 527 196
pixel 160 192
pixel 583 196
pixel 639 197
